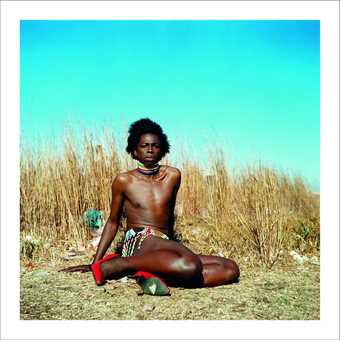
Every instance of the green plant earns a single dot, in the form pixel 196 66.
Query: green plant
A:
pixel 30 246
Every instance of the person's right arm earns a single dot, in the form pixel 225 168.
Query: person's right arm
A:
pixel 111 226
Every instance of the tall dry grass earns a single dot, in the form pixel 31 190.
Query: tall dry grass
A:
pixel 258 213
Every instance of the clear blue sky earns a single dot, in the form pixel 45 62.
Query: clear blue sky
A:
pixel 252 85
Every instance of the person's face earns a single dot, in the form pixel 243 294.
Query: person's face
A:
pixel 148 150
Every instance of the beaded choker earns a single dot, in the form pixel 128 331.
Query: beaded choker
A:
pixel 147 171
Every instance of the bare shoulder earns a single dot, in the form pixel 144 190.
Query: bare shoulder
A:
pixel 174 172
pixel 122 179
pixel 171 170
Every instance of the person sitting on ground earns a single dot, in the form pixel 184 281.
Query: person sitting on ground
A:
pixel 147 195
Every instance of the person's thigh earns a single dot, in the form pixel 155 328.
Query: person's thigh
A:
pixel 217 260
pixel 153 243
pixel 210 259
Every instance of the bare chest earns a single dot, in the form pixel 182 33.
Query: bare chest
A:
pixel 149 193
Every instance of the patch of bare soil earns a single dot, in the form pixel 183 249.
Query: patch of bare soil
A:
pixel 291 293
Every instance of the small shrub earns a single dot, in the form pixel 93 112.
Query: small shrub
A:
pixel 30 246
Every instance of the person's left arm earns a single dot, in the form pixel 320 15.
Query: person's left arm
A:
pixel 176 186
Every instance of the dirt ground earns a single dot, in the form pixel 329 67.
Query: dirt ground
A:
pixel 285 293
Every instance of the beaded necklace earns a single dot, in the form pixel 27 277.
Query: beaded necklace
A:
pixel 147 171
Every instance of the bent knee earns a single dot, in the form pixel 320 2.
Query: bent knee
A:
pixel 191 267
pixel 233 271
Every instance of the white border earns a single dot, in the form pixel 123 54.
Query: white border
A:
pixel 12 12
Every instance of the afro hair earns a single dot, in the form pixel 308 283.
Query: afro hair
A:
pixel 141 127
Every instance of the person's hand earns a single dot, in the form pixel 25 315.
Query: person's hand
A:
pixel 82 268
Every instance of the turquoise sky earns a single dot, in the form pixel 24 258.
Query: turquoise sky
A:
pixel 252 86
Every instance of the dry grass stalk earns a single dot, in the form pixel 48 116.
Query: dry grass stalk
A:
pixel 259 213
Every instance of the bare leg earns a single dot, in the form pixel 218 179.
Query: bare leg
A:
pixel 168 259
pixel 177 264
pixel 219 271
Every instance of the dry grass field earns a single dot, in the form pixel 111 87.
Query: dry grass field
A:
pixel 257 217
